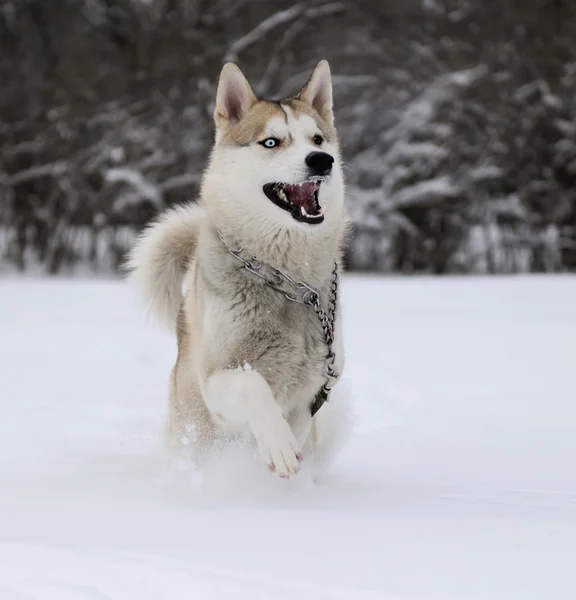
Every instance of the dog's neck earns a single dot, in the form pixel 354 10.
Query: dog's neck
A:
pixel 305 255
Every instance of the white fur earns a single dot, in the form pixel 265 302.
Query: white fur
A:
pixel 249 361
pixel 235 178
pixel 159 259
pixel 243 399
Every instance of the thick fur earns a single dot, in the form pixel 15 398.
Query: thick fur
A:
pixel 160 259
pixel 249 360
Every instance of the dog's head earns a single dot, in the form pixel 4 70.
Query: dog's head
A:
pixel 275 164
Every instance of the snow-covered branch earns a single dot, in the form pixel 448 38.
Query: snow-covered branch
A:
pixel 432 190
pixel 145 188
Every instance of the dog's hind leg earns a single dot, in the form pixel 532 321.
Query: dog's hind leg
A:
pixel 243 398
pixel 189 427
pixel 300 420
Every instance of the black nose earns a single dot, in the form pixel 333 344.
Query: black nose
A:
pixel 320 163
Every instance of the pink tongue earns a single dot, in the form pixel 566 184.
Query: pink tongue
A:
pixel 303 195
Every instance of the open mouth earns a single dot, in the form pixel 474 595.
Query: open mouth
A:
pixel 299 199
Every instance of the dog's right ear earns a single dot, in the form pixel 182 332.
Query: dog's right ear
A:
pixel 234 96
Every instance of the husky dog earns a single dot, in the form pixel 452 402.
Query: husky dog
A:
pixel 245 276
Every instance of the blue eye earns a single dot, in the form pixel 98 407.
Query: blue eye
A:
pixel 271 142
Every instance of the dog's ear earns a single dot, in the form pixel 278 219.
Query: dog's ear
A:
pixel 318 91
pixel 234 96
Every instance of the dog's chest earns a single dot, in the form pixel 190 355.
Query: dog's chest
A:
pixel 280 338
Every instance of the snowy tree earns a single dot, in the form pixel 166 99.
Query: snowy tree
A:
pixel 456 117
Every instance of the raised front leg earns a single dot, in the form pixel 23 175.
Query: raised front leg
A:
pixel 237 397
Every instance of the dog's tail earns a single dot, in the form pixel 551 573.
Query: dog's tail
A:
pixel 158 260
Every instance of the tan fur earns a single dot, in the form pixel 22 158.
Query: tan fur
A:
pixel 249 361
pixel 251 128
pixel 325 126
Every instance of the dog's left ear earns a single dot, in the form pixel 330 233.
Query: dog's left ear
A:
pixel 318 91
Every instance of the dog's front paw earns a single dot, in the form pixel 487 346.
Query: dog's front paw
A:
pixel 279 449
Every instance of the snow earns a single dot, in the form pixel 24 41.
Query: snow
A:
pixel 457 481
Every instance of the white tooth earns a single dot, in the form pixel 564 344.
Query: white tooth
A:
pixel 303 211
pixel 281 194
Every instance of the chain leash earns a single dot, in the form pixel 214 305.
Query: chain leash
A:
pixel 301 293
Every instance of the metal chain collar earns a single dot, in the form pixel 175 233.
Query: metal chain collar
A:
pixel 302 294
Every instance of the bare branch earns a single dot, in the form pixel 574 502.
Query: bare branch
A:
pixel 291 34
pixel 50 170
pixel 265 27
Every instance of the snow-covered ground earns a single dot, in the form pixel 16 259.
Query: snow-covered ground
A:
pixel 457 483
